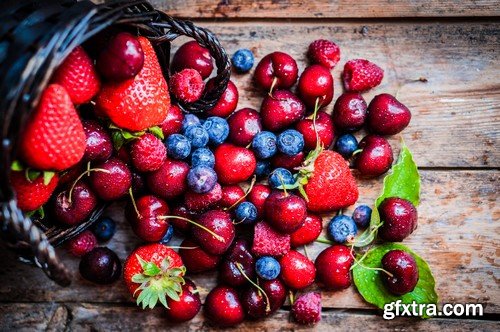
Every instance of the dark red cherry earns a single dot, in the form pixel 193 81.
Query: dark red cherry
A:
pixel 112 183
pixel 122 59
pixel 75 209
pixel 349 112
pixel 387 116
pixel 404 270
pixel 193 55
pixel 182 226
pixel 188 305
pixel 324 129
pixel 285 212
pixel 220 223
pixel 173 122
pixel 277 67
pixel 197 260
pixel 99 146
pixel 239 253
pixel 258 196
pixel 316 86
pixel 375 158
pixel 101 266
pixel 244 124
pixel 223 307
pixel 170 180
pixel 227 102
pixel 150 224
pixel 333 267
pixel 230 195
pixel 400 219
pixel 281 160
pixel 281 110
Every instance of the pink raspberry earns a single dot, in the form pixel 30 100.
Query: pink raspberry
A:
pixel 187 85
pixel 307 308
pixel 361 75
pixel 82 243
pixel 324 52
pixel 148 153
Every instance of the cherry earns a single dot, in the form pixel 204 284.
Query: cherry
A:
pixel 173 122
pixel 114 183
pixel 101 266
pixel 316 86
pixel 281 110
pixel 75 208
pixel 258 196
pixel 285 212
pixel 349 112
pixel 333 267
pixel 182 226
pixel 220 223
pixel 375 158
pixel 324 130
pixel 276 70
pixel 400 219
pixel 227 102
pixel 308 232
pixel 239 253
pixel 197 260
pixel 403 269
pixel 99 146
pixel 233 164
pixel 254 303
pixel 387 116
pixel 200 202
pixel 297 271
pixel 188 305
pixel 276 292
pixel 122 59
pixel 170 180
pixel 244 124
pixel 192 55
pixel 281 160
pixel 230 195
pixel 138 184
pixel 223 307
pixel 148 222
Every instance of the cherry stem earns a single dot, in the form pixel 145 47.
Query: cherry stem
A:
pixel 316 108
pixel 254 180
pixel 356 152
pixel 282 184
pixel 358 262
pixel 217 236
pixel 323 240
pixel 131 194
pixel 268 303
pixel 291 297
pixel 81 176
pixel 275 80
pixel 181 247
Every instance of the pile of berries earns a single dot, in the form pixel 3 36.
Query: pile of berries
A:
pixel 106 129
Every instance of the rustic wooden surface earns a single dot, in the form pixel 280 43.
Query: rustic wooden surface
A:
pixel 446 71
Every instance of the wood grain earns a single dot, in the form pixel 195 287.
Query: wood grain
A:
pixel 326 8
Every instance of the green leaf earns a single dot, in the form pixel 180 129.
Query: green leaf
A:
pixel 157 132
pixel 47 177
pixel 31 174
pixel 370 285
pixel 16 166
pixel 151 269
pixel 118 140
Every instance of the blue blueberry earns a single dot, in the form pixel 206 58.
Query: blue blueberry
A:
pixel 217 128
pixel 342 228
pixel 178 146
pixel 203 156
pixel 346 145
pixel 242 60
pixel 246 213
pixel 201 179
pixel 290 142
pixel 104 229
pixel 264 145
pixel 362 215
pixel 168 235
pixel 280 176
pixel 189 120
pixel 267 268
pixel 263 168
pixel 197 135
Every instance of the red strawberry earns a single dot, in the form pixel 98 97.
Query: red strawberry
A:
pixel 32 194
pixel 330 185
pixel 187 85
pixel 152 273
pixel 267 242
pixel 233 164
pixel 78 76
pixel 188 305
pixel 307 308
pixel 197 260
pixel 82 243
pixel 53 138
pixel 148 153
pixel 324 52
pixel 200 202
pixel 140 102
pixel 361 75
pixel 308 232
pixel 297 271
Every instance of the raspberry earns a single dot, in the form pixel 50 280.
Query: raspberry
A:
pixel 307 308
pixel 82 244
pixel 361 75
pixel 148 153
pixel 324 52
pixel 268 242
pixel 187 85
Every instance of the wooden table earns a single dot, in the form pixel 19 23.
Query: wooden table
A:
pixel 441 59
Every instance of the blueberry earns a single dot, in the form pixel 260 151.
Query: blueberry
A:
pixel 362 215
pixel 264 145
pixel 197 135
pixel 104 229
pixel 290 142
pixel 201 179
pixel 267 268
pixel 178 146
pixel 342 228
pixel 346 145
pixel 246 213
pixel 202 156
pixel 242 60
pixel 280 176
pixel 217 128
pixel 189 120
pixel 263 168
pixel 168 235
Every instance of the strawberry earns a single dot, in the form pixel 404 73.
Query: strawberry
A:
pixel 148 153
pixel 78 76
pixel 297 271
pixel 82 244
pixel 307 308
pixel 152 273
pixel 32 194
pixel 53 138
pixel 326 182
pixel 361 75
pixel 324 52
pixel 140 102
pixel 266 241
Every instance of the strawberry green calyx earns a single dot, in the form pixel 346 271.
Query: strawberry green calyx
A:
pixel 121 136
pixel 158 282
pixel 31 174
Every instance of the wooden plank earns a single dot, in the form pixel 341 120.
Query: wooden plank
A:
pixel 457 235
pixel 106 317
pixel 326 8
pixel 456 111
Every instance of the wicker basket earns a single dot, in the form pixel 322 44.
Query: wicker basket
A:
pixel 35 37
